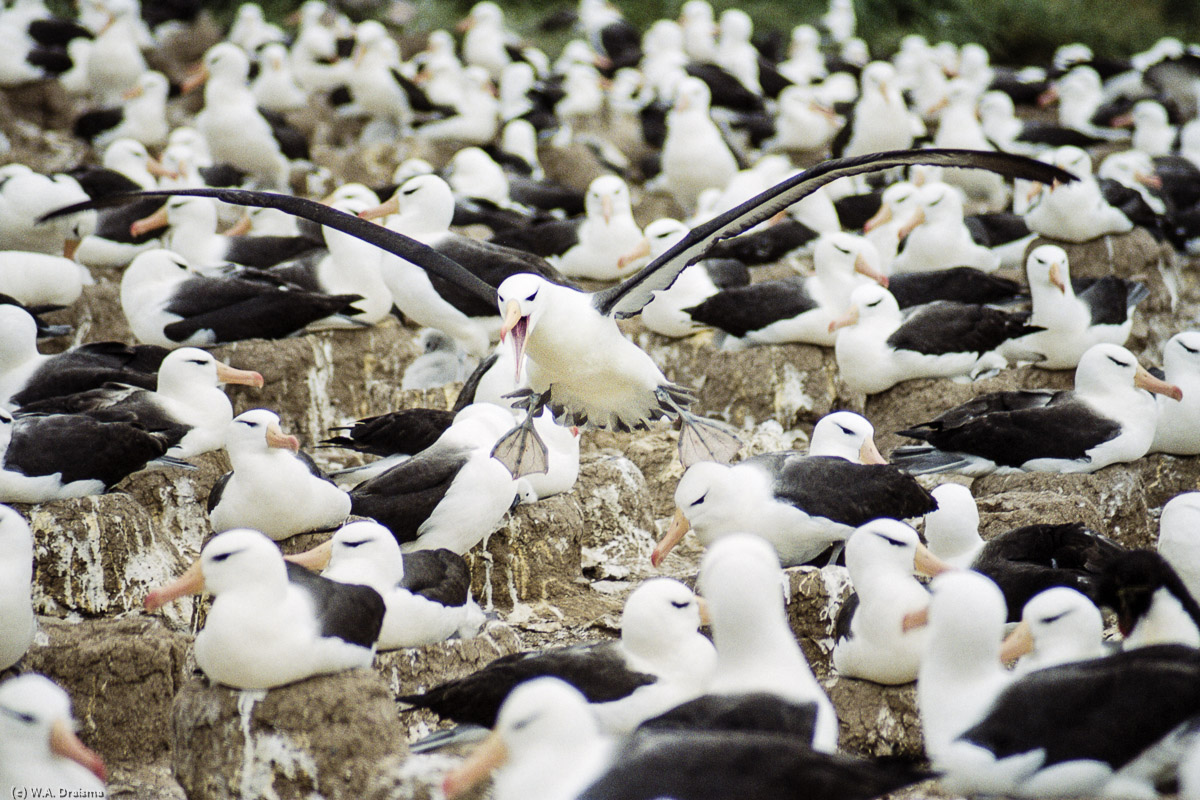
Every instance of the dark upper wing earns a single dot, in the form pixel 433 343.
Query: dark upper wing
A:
pixel 470 386
pixel 350 612
pixel 949 327
pixel 425 257
pixel 961 284
pixel 402 432
pixel 990 403
pixel 1110 299
pixel 628 297
pixel 218 489
pixel 80 447
pixel 1065 430
pixel 597 669
pixel 841 626
pixel 845 492
pixel 1109 709
pixel 721 765
pixel 552 238
pixel 439 575
pixel 742 309
pixel 760 712
pixel 403 497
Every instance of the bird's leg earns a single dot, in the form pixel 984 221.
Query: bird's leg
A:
pixel 521 450
pixel 700 439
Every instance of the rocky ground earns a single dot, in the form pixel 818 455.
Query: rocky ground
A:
pixel 556 572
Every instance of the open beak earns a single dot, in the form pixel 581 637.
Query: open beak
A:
pixel 1017 643
pixel 641 251
pixel 241 227
pixel 153 222
pixel 915 619
pixel 679 526
pixel 869 453
pixel 863 268
pixel 244 377
pixel 845 320
pixel 196 78
pixel 190 582
pixel 911 225
pixel 277 438
pixel 65 743
pixel 69 248
pixel 1056 278
pixel 926 563
pixel 518 325
pixel 1144 380
pixel 385 209
pixel 315 559
pixel 884 214
pixel 486 759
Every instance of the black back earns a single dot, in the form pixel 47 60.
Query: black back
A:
pixel 743 309
pixel 438 575
pixel 403 432
pixel 950 327
pixel 80 448
pixel 752 712
pixel 348 611
pixel 597 669
pixel 402 498
pixel 958 284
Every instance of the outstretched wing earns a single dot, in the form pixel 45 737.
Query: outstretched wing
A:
pixel 398 244
pixel 628 298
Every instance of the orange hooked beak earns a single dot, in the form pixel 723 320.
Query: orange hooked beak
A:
pixel 1056 278
pixel 242 226
pixel 243 377
pixel 679 526
pixel 1144 380
pixel 196 77
pixel 277 438
pixel 65 743
pixel 915 619
pixel 911 225
pixel 518 325
pixel 863 268
pixel 315 559
pixel 384 209
pixel 884 214
pixel 154 222
pixel 69 248
pixel 641 251
pixel 869 453
pixel 845 320
pixel 190 582
pixel 486 759
pixel 1017 643
pixel 926 563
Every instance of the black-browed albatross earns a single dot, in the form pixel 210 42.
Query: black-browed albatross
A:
pixel 580 363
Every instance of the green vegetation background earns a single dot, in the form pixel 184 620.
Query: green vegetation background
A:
pixel 1014 31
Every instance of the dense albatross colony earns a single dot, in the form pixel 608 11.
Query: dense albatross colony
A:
pixel 680 411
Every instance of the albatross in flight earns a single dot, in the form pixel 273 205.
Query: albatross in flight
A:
pixel 579 362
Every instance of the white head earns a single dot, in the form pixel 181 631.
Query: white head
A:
pixel 190 368
pixel 242 559
pixel 365 552
pixel 607 197
pixel 846 435
pixel 1179 537
pixel 890 545
pixel 1181 356
pixel 1106 368
pixel 18 337
pixel 522 299
pixel 952 530
pixel 659 615
pixel 16 549
pixel 870 304
pixel 258 431
pixel 36 725
pixel 1047 270
pixel 693 96
pixel 1062 625
pixel 663 234
pixel 843 253
pixel 1074 160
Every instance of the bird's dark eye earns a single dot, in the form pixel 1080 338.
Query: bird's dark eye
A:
pixel 355 544
pixel 700 500
pixel 413 190
pixel 1118 362
pixel 877 302
pixel 891 541
pixel 1053 619
pixel 530 298
pixel 846 430
pixel 219 557
pixel 841 250
pixel 27 719
pixel 1189 349
pixel 197 361
pixel 248 423
pixel 681 604
pixel 523 723
pixel 935 202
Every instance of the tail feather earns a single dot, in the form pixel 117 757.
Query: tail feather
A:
pixel 926 459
